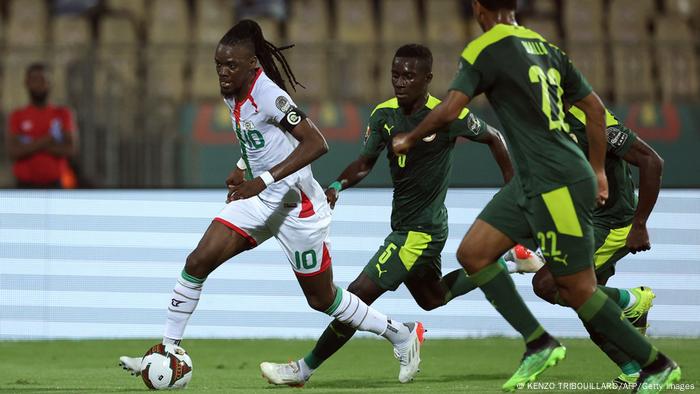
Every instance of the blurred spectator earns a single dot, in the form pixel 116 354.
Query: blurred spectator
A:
pixel 41 137
pixel 251 9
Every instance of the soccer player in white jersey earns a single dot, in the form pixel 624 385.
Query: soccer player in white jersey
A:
pixel 272 193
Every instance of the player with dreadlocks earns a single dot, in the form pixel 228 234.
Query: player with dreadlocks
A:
pixel 272 193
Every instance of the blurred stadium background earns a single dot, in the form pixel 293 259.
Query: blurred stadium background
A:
pixel 141 78
pixel 140 74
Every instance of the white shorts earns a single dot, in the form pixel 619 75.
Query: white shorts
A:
pixel 302 229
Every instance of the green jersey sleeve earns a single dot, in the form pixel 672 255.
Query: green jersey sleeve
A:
pixel 373 143
pixel 469 126
pixel 468 80
pixel 573 83
pixel 620 139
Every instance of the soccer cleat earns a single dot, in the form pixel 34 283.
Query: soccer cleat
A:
pixel 626 381
pixel 131 364
pixel 652 382
pixel 534 363
pixel 408 354
pixel 526 260
pixel 283 374
pixel 638 312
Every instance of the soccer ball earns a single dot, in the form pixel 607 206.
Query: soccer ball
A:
pixel 166 367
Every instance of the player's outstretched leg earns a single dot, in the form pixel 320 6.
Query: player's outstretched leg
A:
pixel 218 244
pixel 349 309
pixel 635 304
pixel 477 253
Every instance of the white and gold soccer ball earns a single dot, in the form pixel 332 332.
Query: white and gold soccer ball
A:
pixel 166 367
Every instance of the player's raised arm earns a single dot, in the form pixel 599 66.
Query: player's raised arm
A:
pixel 447 111
pixel 650 166
pixel 597 142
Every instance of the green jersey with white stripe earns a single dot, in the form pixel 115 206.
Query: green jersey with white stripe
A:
pixel 421 177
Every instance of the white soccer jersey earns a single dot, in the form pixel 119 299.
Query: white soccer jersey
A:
pixel 264 143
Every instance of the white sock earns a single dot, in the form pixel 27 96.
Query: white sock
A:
pixel 511 266
pixel 183 302
pixel 351 310
pixel 632 301
pixel 304 369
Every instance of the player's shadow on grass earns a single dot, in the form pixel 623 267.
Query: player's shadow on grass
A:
pixel 463 377
pixel 359 383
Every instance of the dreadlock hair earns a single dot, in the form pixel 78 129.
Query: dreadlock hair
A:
pixel 416 51
pixel 495 5
pixel 248 31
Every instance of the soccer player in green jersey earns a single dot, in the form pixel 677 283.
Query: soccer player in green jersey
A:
pixel 411 253
pixel 551 198
pixel 619 227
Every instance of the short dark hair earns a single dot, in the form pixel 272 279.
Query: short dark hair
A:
pixel 416 51
pixel 36 66
pixel 495 5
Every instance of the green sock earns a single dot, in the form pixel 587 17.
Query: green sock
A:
pixel 457 283
pixel 630 368
pixel 499 289
pixel 332 339
pixel 626 364
pixel 620 296
pixel 605 317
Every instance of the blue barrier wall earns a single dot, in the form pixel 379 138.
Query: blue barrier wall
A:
pixel 101 264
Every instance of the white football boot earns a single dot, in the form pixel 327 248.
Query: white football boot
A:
pixel 526 260
pixel 408 353
pixel 131 364
pixel 283 374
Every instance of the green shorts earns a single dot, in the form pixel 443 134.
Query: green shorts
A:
pixel 406 253
pixel 610 247
pixel 559 221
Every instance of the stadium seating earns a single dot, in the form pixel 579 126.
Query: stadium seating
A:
pixel 213 19
pixel 354 59
pixel 400 22
pixel 678 71
pixel 168 40
pixel 592 61
pixel 444 23
pixel 583 20
pixel 72 37
pixel 134 9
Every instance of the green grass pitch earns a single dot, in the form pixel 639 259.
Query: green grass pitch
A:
pixel 364 366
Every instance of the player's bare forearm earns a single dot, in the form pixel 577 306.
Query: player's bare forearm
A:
pixel 311 146
pixel 356 171
pixel 63 149
pixel 595 130
pixel 499 151
pixel 650 166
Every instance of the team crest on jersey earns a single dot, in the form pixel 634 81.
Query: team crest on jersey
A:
pixel 616 137
pixel 282 104
pixel 473 123
pixel 430 138
pixel 248 125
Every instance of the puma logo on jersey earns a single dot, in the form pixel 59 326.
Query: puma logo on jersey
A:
pixel 381 271
pixel 388 129
pixel 561 260
pixel 430 138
